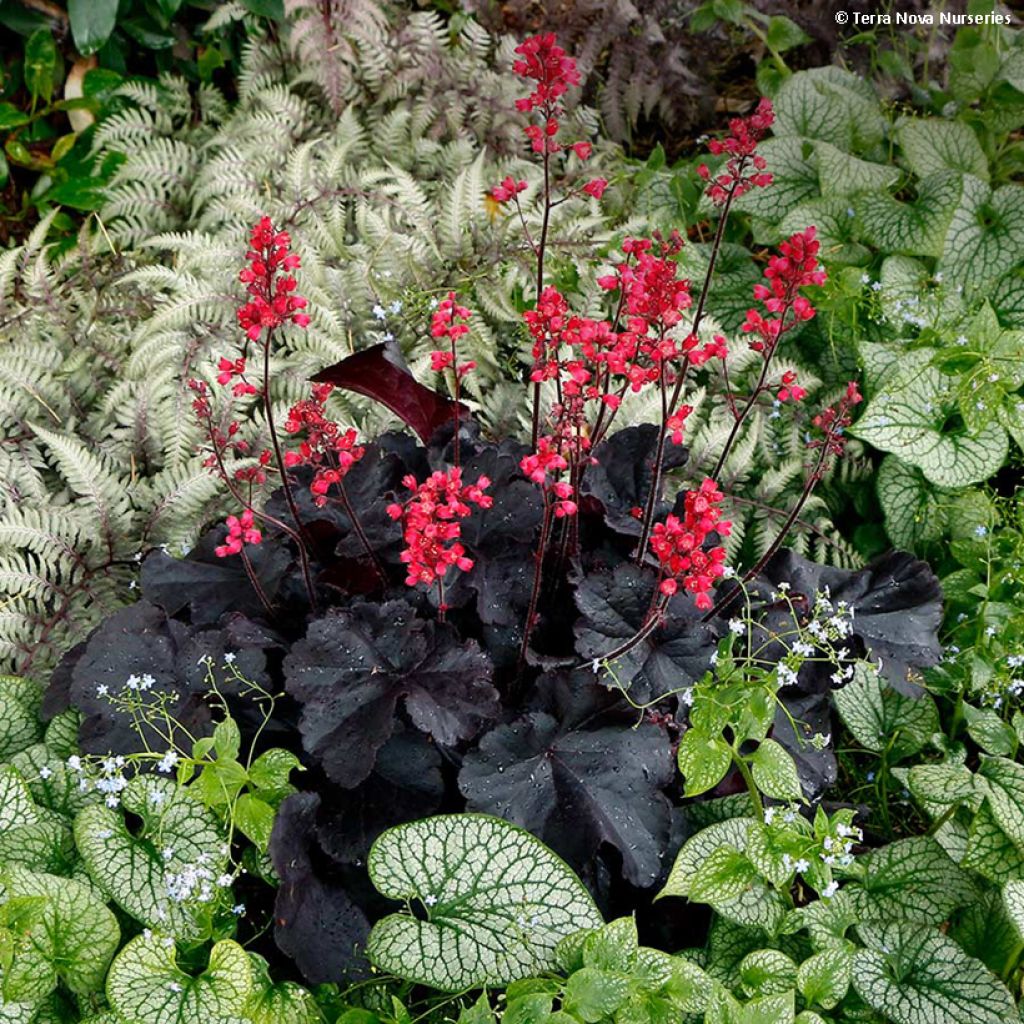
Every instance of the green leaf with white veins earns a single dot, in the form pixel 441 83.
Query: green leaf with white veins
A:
pixel 914 510
pixel 990 851
pixel 824 978
pixel 930 145
pixel 496 902
pixel 915 228
pixel 19 715
pixel 834 220
pixel 146 984
pixel 1013 901
pixel 840 174
pixel 986 234
pixel 878 716
pixel 731 832
pixel 1005 794
pixel 912 879
pixel 703 760
pixel 915 975
pixel 794 179
pixel 72 940
pixel 775 772
pixel 178 835
pixel 829 104
pixel 281 1003
pixel 908 418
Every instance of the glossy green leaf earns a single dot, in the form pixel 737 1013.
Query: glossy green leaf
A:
pixel 92 21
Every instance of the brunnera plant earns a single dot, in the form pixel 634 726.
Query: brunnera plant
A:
pixel 503 625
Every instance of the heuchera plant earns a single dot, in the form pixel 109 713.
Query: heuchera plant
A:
pixel 494 624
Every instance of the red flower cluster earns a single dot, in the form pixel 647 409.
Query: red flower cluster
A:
pixel 547 460
pixel 833 421
pixel 272 299
pixel 679 545
pixel 790 390
pixel 546 63
pixel 450 321
pixel 231 368
pixel 744 169
pixel 432 524
pixel 330 449
pixel 508 189
pixel 241 531
pixel 796 268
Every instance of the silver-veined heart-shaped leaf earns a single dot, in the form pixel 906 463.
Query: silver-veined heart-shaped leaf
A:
pixel 71 939
pixel 493 902
pixel 179 834
pixel 146 984
pixel 913 974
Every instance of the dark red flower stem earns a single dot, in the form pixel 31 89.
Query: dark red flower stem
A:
pixel 541 247
pixel 360 533
pixel 456 389
pixel 667 407
pixel 759 389
pixel 538 579
pixel 812 481
pixel 254 580
pixel 300 534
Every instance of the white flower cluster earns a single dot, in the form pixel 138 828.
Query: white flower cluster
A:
pixel 109 780
pixel 195 883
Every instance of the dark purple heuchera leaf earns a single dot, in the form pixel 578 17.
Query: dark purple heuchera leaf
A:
pixel 405 784
pixel 577 789
pixel 211 586
pixel 621 479
pixel 355 665
pixel 315 921
pixel 812 716
pixel 140 646
pixel 897 603
pixel 380 373
pixel 370 485
pixel 613 607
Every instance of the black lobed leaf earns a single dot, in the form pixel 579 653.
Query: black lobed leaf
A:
pixel 133 643
pixel 211 586
pixel 405 784
pixel 613 608
pixel 356 664
pixel 621 478
pixel 316 922
pixel 897 604
pixel 140 642
pixel 800 718
pixel 577 789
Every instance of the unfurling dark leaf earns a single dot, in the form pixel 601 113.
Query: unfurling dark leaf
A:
pixel 380 373
pixel 355 665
